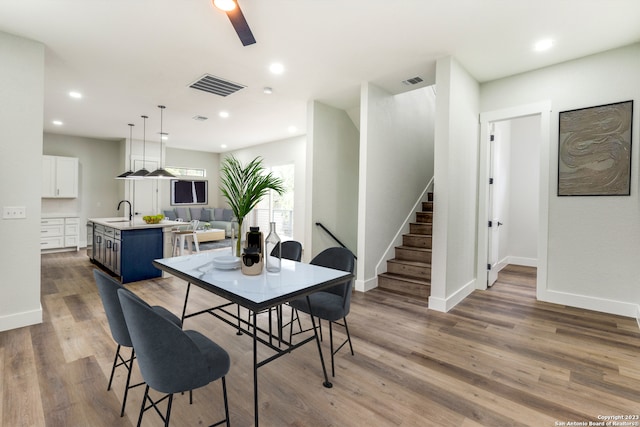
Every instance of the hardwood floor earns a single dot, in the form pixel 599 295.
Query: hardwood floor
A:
pixel 499 358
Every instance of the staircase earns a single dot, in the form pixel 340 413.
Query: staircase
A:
pixel 409 273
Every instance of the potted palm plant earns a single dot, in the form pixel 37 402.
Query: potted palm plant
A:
pixel 244 186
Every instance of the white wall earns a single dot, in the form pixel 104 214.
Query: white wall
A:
pixel 396 164
pixel 455 192
pixel 98 190
pixel 594 242
pixel 21 120
pixel 331 178
pixel 176 157
pixel 282 152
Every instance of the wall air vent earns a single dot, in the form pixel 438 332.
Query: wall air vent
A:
pixel 412 81
pixel 216 85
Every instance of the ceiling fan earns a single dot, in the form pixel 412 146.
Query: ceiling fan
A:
pixel 232 9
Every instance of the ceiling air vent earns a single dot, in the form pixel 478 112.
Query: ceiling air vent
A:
pixel 200 118
pixel 412 81
pixel 216 85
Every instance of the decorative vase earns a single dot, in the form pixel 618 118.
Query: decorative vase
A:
pixel 252 261
pixel 273 250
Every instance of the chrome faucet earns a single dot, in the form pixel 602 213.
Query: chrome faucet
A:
pixel 130 208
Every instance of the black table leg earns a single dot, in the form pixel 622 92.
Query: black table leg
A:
pixel 186 297
pixel 326 382
pixel 255 367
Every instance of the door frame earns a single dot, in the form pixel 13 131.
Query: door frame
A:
pixel 543 109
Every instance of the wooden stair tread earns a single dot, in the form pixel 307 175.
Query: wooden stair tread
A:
pixel 413 248
pixel 404 278
pixel 408 262
pixel 418 235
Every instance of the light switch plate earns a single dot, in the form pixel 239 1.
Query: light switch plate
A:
pixel 14 212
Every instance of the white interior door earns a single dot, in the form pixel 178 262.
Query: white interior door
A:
pixel 493 248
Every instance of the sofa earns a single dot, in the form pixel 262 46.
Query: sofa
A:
pixel 209 217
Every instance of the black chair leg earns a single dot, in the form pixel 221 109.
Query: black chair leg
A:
pixel 144 401
pixel 113 368
pixel 226 402
pixel 333 370
pixel 166 420
pixel 226 405
pixel 348 335
pixel 129 366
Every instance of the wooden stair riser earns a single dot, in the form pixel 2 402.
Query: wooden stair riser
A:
pixel 424 217
pixel 417 240
pixel 420 228
pixel 409 254
pixel 402 287
pixel 422 272
pixel 427 206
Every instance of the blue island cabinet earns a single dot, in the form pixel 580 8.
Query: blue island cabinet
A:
pixel 139 248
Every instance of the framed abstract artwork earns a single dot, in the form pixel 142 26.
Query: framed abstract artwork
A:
pixel 594 151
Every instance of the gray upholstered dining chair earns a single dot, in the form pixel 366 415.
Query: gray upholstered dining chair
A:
pixel 171 360
pixel 332 304
pixel 108 289
pixel 290 249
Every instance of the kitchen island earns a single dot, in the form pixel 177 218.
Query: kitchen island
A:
pixel 127 248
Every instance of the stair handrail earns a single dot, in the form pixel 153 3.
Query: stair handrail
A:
pixel 319 224
pixel 412 212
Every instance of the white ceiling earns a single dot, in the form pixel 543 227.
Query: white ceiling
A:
pixel 128 56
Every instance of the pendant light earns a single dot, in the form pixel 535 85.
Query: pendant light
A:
pixel 142 172
pixel 126 174
pixel 160 173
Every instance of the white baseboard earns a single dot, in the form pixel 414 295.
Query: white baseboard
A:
pixel 366 285
pixel 602 305
pixel 19 320
pixel 446 304
pixel 525 262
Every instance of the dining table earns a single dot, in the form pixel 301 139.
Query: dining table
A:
pixel 220 274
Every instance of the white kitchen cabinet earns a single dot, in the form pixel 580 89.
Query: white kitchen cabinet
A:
pixel 59 177
pixel 58 233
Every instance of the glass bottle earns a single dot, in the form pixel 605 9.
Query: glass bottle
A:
pixel 273 250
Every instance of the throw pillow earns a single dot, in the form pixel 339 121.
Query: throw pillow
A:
pixel 170 214
pixel 227 215
pixel 182 213
pixel 218 214
pixel 205 215
pixel 195 213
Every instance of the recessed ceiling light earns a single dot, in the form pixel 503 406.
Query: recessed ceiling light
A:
pixel 267 90
pixel 164 135
pixel 223 146
pixel 223 114
pixel 57 122
pixel 226 5
pixel 292 129
pixel 543 45
pixel 76 95
pixel 276 68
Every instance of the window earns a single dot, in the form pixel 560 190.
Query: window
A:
pixel 277 208
pixel 191 172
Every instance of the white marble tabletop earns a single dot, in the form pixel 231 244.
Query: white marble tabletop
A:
pixel 258 292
